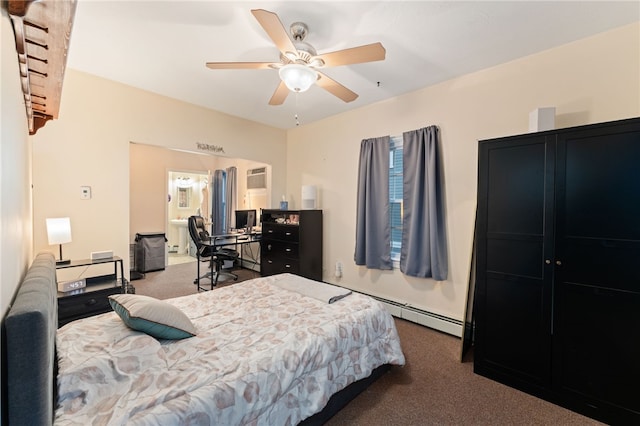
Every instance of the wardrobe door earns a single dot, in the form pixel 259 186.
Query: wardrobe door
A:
pixel 514 243
pixel 597 290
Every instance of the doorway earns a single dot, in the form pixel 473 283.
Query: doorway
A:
pixel 188 195
pixel 152 196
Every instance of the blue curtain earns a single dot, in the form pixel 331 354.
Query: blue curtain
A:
pixel 373 230
pixel 232 197
pixel 424 246
pixel 218 203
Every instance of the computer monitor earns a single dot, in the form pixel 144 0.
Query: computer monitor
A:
pixel 245 219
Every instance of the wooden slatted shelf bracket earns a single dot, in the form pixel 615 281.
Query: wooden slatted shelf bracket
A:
pixel 42 30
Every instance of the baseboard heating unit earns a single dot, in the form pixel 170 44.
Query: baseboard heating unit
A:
pixel 419 316
pixel 422 317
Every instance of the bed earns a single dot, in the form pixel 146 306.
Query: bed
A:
pixel 271 350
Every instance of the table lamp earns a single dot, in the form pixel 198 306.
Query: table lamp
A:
pixel 59 232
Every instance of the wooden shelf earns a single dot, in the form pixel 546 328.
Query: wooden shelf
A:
pixel 42 30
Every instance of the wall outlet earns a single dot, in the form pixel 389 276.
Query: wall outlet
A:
pixel 85 192
pixel 338 272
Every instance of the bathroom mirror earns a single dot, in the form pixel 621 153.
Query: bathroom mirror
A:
pixel 184 198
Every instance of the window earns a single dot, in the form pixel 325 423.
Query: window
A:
pixel 395 197
pixel 223 202
pixel 417 196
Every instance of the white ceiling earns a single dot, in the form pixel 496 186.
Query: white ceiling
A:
pixel 162 46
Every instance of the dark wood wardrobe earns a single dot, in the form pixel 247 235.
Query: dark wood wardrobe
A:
pixel 557 296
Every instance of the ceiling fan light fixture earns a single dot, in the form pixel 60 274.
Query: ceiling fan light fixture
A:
pixel 297 77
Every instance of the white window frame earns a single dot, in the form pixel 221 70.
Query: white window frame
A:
pixel 395 144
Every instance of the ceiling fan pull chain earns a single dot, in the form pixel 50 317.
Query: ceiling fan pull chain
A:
pixel 296 113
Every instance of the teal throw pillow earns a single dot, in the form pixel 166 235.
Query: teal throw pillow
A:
pixel 152 316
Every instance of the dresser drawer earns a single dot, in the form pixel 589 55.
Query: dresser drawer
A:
pixel 277 265
pixel 280 232
pixel 73 307
pixel 275 248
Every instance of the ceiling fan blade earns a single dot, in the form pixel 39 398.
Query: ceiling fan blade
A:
pixel 274 29
pixel 355 55
pixel 336 88
pixel 279 95
pixel 240 65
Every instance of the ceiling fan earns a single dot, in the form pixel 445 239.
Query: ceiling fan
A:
pixel 299 63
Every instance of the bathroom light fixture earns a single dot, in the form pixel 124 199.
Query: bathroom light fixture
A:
pixel 297 77
pixel 59 232
pixel 184 182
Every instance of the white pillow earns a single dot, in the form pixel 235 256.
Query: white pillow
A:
pixel 152 316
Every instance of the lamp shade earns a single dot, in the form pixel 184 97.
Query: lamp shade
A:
pixel 298 78
pixel 59 230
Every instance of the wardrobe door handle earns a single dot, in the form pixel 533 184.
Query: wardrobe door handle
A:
pixel 547 261
pixel 559 263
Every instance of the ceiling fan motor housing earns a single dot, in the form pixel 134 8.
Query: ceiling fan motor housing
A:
pixel 299 30
pixel 305 51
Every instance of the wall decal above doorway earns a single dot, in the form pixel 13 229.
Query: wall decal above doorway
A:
pixel 212 148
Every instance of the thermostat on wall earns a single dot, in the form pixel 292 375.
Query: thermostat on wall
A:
pixel 65 286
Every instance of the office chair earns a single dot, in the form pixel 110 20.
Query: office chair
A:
pixel 207 251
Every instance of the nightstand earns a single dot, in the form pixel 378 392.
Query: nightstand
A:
pixel 93 298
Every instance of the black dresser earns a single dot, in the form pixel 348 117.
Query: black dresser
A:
pixel 291 242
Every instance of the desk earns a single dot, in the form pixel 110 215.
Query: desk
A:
pixel 235 239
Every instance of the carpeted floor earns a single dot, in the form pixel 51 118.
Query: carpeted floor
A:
pixel 433 388
pixel 177 280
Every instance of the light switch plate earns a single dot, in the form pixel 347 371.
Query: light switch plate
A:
pixel 85 192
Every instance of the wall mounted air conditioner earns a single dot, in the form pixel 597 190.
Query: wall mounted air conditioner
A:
pixel 257 178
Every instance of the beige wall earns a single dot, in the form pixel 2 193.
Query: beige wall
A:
pixel 89 145
pixel 15 172
pixel 593 80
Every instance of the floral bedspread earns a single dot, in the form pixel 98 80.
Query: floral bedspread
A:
pixel 262 356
